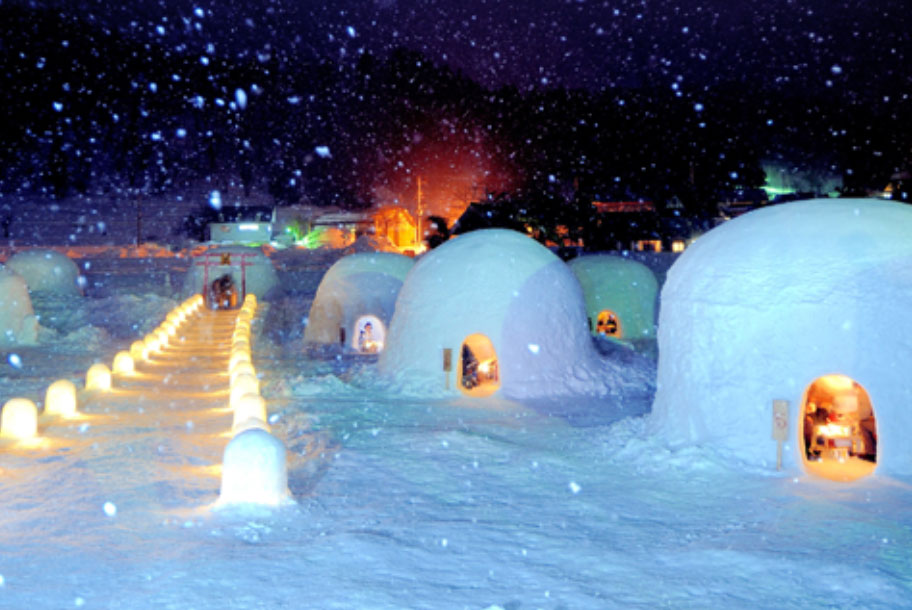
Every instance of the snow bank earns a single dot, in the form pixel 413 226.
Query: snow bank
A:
pixel 509 288
pixel 259 275
pixel 627 288
pixel 355 286
pixel 18 324
pixel 760 307
pixel 47 271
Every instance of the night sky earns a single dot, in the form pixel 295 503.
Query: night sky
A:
pixel 349 102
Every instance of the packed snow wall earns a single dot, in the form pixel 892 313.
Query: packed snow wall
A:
pixel 510 289
pixel 47 271
pixel 627 288
pixel 762 306
pixel 356 285
pixel 18 324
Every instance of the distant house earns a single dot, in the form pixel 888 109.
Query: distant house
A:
pixel 242 225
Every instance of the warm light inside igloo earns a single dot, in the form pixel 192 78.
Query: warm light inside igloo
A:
pixel 254 471
pixel 479 373
pixel 609 324
pixel 98 377
pixel 60 398
pixel 19 419
pixel 838 429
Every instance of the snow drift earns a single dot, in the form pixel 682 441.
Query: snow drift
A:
pixel 18 324
pixel 47 271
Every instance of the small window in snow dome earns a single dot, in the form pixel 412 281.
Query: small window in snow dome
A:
pixel 369 335
pixel 838 428
pixel 608 324
pixel 478 370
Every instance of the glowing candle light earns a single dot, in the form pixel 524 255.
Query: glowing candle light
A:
pixel 254 471
pixel 238 356
pixel 251 383
pixel 137 349
pixel 243 385
pixel 241 368
pixel 60 398
pixel 19 419
pixel 249 406
pixel 123 364
pixel 98 377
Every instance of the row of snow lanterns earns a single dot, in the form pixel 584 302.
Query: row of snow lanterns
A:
pixel 19 417
pixel 253 466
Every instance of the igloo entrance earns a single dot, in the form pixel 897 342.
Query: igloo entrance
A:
pixel 608 324
pixel 478 370
pixel 369 335
pixel 838 429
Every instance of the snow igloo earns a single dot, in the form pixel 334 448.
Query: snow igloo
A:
pixel 355 301
pixel 492 311
pixel 18 324
pixel 47 271
pixel 225 275
pixel 620 296
pixel 807 304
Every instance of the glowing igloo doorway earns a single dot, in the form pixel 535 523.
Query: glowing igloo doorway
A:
pixel 608 324
pixel 369 335
pixel 479 374
pixel 838 429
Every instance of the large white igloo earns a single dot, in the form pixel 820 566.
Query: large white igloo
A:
pixel 620 296
pixel 47 271
pixel 18 324
pixel 250 269
pixel 782 304
pixel 355 301
pixel 510 313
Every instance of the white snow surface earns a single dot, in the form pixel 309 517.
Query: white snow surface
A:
pixel 763 305
pixel 18 324
pixel 626 287
pixel 412 503
pixel 356 285
pixel 47 271
pixel 511 289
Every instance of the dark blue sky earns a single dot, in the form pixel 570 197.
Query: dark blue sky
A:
pixel 681 44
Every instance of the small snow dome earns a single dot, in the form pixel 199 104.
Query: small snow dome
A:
pixel 47 271
pixel 500 311
pixel 18 324
pixel 620 296
pixel 254 471
pixel 806 302
pixel 355 301
pixel 225 275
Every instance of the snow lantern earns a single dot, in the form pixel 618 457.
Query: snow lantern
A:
pixel 225 275
pixel 60 398
pixel 355 300
pixel 620 296
pixel 98 377
pixel 254 471
pixel 19 419
pixel 47 271
pixel 18 324
pixel 806 302
pixel 123 363
pixel 249 407
pixel 493 311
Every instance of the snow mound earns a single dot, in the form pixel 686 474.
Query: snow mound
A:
pixel 627 288
pixel 762 306
pixel 356 285
pixel 254 471
pixel 258 276
pixel 47 271
pixel 18 324
pixel 514 292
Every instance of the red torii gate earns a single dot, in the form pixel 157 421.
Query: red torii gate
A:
pixel 224 260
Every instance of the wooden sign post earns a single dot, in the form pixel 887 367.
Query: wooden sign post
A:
pixel 780 427
pixel 447 364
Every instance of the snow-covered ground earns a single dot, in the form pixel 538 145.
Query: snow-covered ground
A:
pixel 403 503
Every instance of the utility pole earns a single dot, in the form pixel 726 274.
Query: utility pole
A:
pixel 418 239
